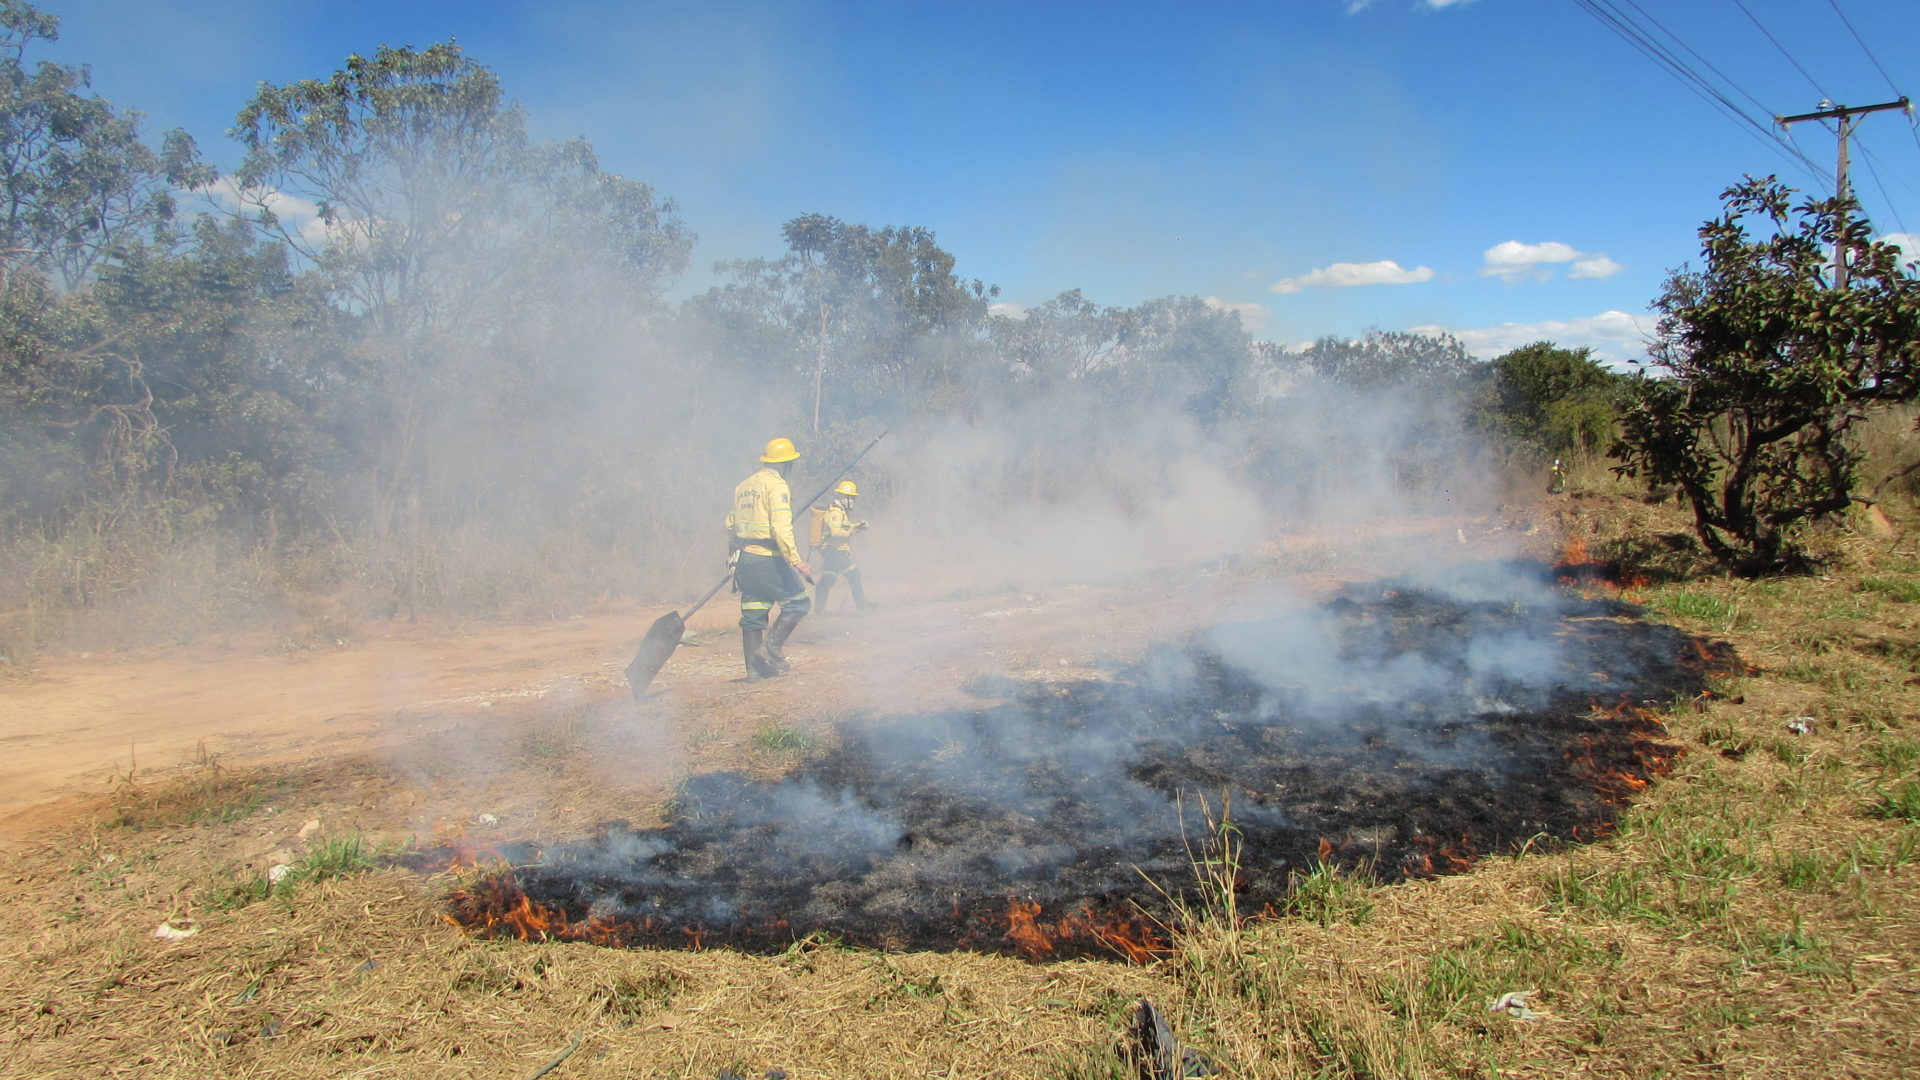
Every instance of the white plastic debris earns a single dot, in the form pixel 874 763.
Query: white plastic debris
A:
pixel 278 874
pixel 1513 1003
pixel 169 932
pixel 1800 725
pixel 487 819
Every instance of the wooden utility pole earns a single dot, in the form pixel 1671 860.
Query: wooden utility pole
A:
pixel 1830 111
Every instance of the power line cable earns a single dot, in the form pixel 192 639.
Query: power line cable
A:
pixel 1661 54
pixel 1873 171
pixel 1645 42
pixel 1848 23
pixel 1742 91
pixel 1891 208
pixel 1913 122
pixel 1811 81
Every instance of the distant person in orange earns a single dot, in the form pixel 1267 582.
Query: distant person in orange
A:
pixel 767 568
pixel 836 529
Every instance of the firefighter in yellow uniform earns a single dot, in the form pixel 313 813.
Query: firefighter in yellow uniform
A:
pixel 767 568
pixel 836 539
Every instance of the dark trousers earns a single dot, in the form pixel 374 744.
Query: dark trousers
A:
pixel 766 580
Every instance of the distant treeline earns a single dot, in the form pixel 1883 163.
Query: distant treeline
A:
pixel 408 355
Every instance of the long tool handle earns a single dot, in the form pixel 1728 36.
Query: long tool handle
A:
pixel 702 602
pixel 844 470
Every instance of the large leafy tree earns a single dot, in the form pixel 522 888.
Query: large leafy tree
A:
pixel 412 183
pixel 1182 351
pixel 1763 368
pixel 1389 359
pixel 1550 400
pixel 76 181
pixel 80 193
pixel 480 266
pixel 873 321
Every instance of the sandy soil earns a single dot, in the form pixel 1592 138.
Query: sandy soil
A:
pixel 75 725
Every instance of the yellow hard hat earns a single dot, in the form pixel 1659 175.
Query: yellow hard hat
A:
pixel 845 487
pixel 779 450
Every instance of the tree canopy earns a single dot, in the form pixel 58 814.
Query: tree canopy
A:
pixel 1766 369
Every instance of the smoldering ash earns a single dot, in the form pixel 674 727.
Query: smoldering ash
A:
pixel 1400 729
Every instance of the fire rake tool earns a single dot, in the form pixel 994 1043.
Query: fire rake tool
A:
pixel 665 633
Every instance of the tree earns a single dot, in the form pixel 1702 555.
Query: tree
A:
pixel 476 261
pixel 1067 338
pixel 1389 358
pixel 1550 400
pixel 1186 352
pixel 1763 369
pixel 426 193
pixel 79 191
pixel 75 179
pixel 877 312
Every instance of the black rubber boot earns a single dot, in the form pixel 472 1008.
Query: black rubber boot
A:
pixel 776 637
pixel 820 592
pixel 753 649
pixel 859 594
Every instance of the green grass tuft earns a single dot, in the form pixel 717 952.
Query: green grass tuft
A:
pixel 1906 590
pixel 784 739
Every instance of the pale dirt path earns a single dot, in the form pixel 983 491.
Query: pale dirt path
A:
pixel 76 722
pixel 79 720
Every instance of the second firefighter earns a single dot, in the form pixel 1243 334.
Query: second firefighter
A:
pixel 833 536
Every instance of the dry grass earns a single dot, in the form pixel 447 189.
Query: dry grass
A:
pixel 1753 916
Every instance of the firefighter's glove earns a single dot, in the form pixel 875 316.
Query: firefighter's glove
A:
pixel 805 571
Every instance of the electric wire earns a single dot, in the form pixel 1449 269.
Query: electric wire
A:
pixel 1875 173
pixel 1913 121
pixel 1741 90
pixel 1645 42
pixel 1768 34
pixel 1862 42
pixel 1872 160
pixel 1649 46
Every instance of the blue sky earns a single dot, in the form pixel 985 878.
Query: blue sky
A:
pixel 1505 170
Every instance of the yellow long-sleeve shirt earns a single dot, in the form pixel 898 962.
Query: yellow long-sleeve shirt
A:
pixel 762 517
pixel 839 528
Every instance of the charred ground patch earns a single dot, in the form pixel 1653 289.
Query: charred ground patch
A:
pixel 1403 728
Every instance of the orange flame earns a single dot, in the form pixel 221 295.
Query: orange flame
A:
pixel 1574 551
pixel 457 851
pixel 1438 856
pixel 496 904
pixel 1578 568
pixel 1131 936
pixel 1617 769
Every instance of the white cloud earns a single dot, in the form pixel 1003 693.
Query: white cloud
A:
pixel 1514 254
pixel 1346 275
pixel 1908 243
pixel 1511 260
pixel 1253 317
pixel 1006 310
pixel 1593 267
pixel 1615 337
